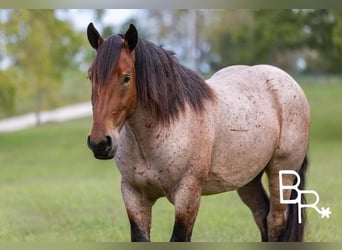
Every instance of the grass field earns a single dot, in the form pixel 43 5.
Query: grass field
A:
pixel 52 189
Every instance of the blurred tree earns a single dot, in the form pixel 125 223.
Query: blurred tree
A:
pixel 292 39
pixel 41 47
pixel 7 93
pixel 229 33
pixel 324 39
pixel 252 37
pixel 181 31
pixel 337 40
pixel 280 37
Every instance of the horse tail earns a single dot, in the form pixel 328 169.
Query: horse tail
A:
pixel 294 231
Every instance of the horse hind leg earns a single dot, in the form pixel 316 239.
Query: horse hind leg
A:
pixel 282 220
pixel 254 196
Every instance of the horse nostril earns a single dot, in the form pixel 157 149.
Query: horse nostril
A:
pixel 103 149
pixel 109 142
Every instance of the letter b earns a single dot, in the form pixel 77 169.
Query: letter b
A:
pixel 283 187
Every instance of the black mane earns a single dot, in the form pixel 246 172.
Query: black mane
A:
pixel 164 86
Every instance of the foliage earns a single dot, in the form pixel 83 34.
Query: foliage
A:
pixel 41 48
pixel 8 91
pixel 278 37
pixel 181 31
pixel 207 40
pixel 325 38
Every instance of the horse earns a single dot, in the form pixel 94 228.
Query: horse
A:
pixel 175 135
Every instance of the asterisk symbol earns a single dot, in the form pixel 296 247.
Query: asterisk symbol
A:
pixel 325 212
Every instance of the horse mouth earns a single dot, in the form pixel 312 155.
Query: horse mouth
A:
pixel 104 150
pixel 104 157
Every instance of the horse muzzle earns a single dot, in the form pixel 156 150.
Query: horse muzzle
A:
pixel 103 150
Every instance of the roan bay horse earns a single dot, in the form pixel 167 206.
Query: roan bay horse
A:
pixel 176 135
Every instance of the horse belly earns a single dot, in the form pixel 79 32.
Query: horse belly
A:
pixel 246 134
pixel 234 168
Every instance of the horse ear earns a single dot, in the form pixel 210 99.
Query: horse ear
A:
pixel 94 37
pixel 131 37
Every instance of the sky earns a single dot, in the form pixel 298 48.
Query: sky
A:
pixel 80 18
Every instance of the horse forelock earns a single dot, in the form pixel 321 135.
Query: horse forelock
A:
pixel 106 59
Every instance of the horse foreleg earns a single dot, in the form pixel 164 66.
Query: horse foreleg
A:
pixel 254 196
pixel 186 201
pixel 138 211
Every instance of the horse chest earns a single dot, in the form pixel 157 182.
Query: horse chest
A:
pixel 153 166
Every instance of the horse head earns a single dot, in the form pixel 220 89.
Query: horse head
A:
pixel 114 95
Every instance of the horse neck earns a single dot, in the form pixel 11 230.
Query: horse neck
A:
pixel 141 124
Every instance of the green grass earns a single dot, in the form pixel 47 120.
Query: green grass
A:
pixel 52 189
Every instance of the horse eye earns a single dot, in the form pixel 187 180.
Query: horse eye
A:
pixel 126 78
